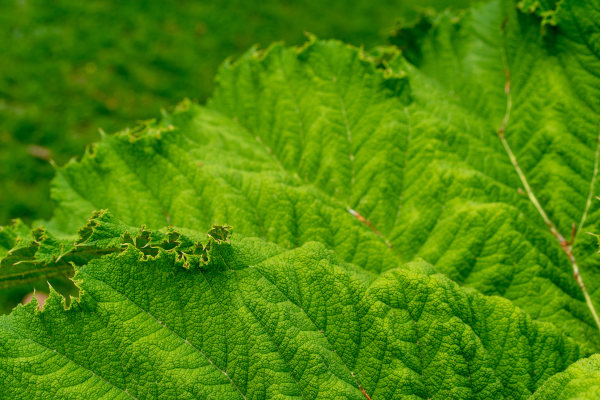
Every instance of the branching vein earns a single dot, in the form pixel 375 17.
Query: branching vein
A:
pixel 591 192
pixel 566 245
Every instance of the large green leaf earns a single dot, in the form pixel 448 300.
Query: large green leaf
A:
pixel 70 67
pixel 476 151
pixel 249 319
pixel 580 381
pixel 385 160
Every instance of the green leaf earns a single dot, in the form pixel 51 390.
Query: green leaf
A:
pixel 46 256
pixel 477 152
pixel 580 381
pixel 20 273
pixel 496 70
pixel 384 161
pixel 259 321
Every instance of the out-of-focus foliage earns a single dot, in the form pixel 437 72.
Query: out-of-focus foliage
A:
pixel 70 67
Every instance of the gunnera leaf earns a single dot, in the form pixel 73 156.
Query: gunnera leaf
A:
pixel 384 160
pixel 259 321
pixel 410 226
pixel 580 381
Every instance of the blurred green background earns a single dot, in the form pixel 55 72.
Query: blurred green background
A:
pixel 70 67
